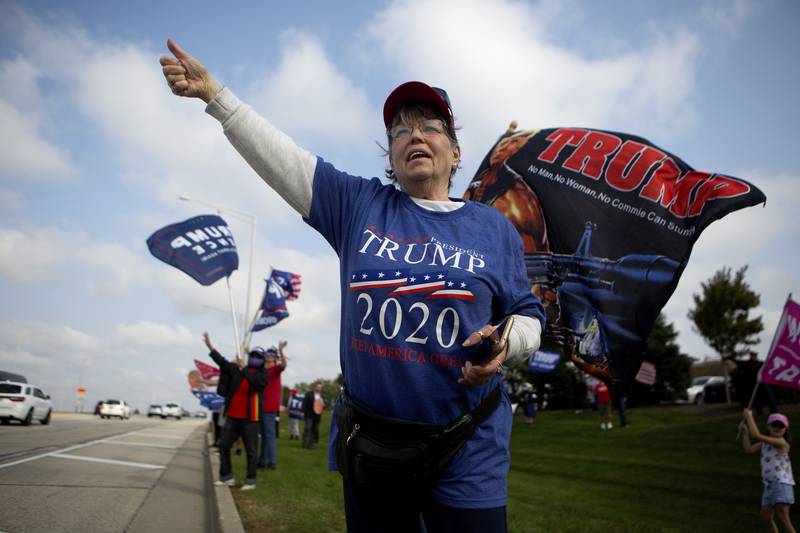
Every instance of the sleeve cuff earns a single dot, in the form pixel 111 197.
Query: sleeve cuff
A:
pixel 223 105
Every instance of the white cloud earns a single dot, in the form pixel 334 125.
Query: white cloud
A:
pixel 112 268
pixel 511 64
pixel 144 337
pixel 63 342
pixel 35 255
pixel 307 93
pixel 157 142
pixel 500 62
pixel 21 358
pixel 25 154
pixel 129 362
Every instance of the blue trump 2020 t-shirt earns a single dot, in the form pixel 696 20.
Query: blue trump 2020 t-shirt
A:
pixel 415 283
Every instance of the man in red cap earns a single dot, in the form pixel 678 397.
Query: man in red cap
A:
pixel 276 363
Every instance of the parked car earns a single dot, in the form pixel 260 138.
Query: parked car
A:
pixel 97 407
pixel 172 410
pixel 24 402
pixel 200 414
pixel 154 410
pixel 714 391
pixel 696 393
pixel 115 408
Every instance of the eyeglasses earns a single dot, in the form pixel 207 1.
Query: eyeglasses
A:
pixel 428 128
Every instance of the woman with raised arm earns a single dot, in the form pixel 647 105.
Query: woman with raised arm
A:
pixel 434 299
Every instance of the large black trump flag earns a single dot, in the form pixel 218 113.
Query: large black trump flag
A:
pixel 608 221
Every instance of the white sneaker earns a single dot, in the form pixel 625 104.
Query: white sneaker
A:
pixel 247 486
pixel 229 483
pixel 610 425
pixel 602 425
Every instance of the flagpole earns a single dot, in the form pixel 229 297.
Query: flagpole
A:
pixel 233 316
pixel 249 333
pixel 245 345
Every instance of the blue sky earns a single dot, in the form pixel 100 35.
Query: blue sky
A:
pixel 96 151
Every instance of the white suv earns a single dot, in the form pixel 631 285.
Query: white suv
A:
pixel 171 410
pixel 24 402
pixel 116 408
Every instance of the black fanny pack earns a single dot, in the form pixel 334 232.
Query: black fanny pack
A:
pixel 377 451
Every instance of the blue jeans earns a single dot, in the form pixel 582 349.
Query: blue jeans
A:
pixel 269 441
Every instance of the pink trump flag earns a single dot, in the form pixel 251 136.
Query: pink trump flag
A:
pixel 782 366
pixel 207 371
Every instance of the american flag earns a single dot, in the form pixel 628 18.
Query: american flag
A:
pixel 646 374
pixel 376 279
pixel 457 288
pixel 422 282
pixel 289 282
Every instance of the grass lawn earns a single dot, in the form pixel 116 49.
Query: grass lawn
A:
pixel 673 469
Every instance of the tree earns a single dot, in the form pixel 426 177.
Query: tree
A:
pixel 721 315
pixel 672 366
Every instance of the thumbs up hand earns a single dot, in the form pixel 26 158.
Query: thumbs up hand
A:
pixel 186 76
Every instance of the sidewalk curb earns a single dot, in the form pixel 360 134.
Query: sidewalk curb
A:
pixel 227 515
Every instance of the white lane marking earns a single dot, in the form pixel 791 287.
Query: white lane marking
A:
pixel 68 449
pixel 145 444
pixel 162 437
pixel 107 461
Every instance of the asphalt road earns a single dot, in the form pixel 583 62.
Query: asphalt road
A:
pixel 81 473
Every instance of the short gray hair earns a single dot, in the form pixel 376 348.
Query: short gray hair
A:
pixel 408 114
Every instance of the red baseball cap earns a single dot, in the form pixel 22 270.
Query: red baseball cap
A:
pixel 416 92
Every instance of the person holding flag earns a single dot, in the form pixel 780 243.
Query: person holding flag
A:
pixel 276 364
pixel 243 400
pixel 776 467
pixel 422 418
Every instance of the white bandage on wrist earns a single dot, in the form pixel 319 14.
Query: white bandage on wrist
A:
pixel 525 338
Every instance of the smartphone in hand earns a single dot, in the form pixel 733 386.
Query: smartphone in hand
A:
pixel 494 343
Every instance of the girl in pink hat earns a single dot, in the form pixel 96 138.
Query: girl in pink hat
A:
pixel 776 468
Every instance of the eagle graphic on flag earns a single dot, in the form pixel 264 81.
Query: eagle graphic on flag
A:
pixel 273 306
